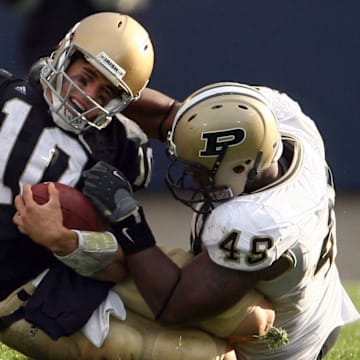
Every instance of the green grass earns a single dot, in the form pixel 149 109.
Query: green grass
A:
pixel 348 345
pixel 346 348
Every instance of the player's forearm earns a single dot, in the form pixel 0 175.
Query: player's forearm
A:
pixel 154 112
pixel 100 263
pixel 115 272
pixel 60 243
pixel 155 275
pixel 95 251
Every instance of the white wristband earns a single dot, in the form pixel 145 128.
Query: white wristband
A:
pixel 96 251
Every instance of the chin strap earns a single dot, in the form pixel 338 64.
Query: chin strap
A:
pixel 255 170
pixel 217 163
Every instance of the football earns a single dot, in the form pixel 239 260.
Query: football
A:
pixel 78 211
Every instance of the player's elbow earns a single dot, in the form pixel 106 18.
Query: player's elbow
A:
pixel 263 320
pixel 175 316
pixel 167 318
pixel 259 321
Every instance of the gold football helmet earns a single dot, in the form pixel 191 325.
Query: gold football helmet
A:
pixel 118 47
pixel 222 136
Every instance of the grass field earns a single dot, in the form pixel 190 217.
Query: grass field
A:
pixel 347 347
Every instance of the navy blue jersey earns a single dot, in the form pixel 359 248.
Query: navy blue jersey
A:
pixel 33 149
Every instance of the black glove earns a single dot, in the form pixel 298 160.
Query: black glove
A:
pixel 111 193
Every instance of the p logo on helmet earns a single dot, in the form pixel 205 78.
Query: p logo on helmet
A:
pixel 219 129
pixel 216 140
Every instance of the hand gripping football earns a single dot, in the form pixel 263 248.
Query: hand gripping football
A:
pixel 78 211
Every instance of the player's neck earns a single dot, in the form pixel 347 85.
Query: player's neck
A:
pixel 266 177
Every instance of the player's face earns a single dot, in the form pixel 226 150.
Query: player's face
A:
pixel 92 83
pixel 200 177
pixel 193 184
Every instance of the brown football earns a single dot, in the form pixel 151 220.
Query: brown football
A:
pixel 78 211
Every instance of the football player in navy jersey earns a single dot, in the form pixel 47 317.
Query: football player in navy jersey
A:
pixel 52 128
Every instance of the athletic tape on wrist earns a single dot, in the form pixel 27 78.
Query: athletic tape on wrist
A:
pixel 96 251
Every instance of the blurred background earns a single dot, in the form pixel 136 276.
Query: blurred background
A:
pixel 308 49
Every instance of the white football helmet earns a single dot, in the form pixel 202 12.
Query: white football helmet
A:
pixel 118 47
pixel 222 136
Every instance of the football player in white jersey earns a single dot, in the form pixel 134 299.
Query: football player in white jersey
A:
pixel 252 166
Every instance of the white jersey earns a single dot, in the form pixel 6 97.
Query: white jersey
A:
pixel 293 217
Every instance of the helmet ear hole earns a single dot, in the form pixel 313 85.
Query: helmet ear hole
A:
pixel 239 169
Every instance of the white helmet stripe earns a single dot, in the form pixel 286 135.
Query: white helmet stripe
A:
pixel 220 90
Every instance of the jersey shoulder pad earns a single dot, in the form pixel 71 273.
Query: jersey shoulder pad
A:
pixel 281 103
pixel 244 235
pixel 133 130
pixel 5 77
pixel 139 144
